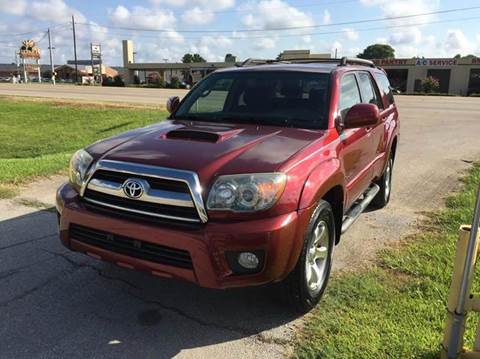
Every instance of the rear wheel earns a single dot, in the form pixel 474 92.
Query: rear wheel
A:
pixel 307 282
pixel 385 183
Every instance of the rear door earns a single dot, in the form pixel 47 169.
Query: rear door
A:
pixel 356 142
pixel 370 94
pixel 389 119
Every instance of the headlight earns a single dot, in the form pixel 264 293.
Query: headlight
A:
pixel 246 193
pixel 79 164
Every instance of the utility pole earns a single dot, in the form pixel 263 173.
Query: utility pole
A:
pixel 50 48
pixel 75 49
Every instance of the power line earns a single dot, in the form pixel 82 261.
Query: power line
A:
pixel 438 12
pixel 321 33
pixel 32 32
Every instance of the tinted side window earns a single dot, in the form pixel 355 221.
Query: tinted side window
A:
pixel 385 87
pixel 349 94
pixel 369 95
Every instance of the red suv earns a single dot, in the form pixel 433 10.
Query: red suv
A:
pixel 251 180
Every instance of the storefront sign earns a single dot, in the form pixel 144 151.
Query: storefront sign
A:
pixel 29 50
pixel 435 62
pixel 391 62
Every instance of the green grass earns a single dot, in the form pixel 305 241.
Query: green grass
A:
pixel 396 309
pixel 38 138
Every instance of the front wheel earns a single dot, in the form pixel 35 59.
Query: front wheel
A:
pixel 307 282
pixel 385 183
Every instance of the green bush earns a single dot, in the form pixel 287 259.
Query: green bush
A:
pixel 174 83
pixel 430 85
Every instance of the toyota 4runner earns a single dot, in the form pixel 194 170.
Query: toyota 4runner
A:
pixel 252 179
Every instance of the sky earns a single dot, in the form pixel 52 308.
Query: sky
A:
pixel 164 30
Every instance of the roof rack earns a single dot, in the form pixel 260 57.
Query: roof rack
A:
pixel 344 61
pixel 254 62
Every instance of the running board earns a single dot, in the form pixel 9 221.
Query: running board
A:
pixel 359 206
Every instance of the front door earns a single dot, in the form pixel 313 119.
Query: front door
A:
pixel 356 142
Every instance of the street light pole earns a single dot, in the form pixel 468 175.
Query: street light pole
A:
pixel 75 49
pixel 50 48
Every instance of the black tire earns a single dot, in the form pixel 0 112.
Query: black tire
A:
pixel 385 183
pixel 301 296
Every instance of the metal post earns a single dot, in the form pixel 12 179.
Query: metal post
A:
pixel 50 48
pixel 75 49
pixel 459 314
pixel 93 65
pixel 25 80
pixel 39 72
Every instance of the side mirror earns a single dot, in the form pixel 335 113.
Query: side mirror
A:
pixel 172 104
pixel 362 115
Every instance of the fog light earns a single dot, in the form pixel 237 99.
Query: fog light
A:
pixel 248 260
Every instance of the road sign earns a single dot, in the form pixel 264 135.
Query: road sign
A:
pixel 96 51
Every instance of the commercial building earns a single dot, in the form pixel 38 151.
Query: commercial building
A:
pixel 456 76
pixel 188 72
pixel 67 72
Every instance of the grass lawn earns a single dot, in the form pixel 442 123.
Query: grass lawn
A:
pixel 38 138
pixel 397 309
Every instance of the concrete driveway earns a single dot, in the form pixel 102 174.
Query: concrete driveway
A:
pixel 55 303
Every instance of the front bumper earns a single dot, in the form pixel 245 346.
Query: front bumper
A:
pixel 279 238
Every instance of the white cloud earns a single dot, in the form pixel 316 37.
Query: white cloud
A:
pixel 307 39
pixel 395 8
pixel 17 7
pixel 142 18
pixel 264 44
pixel 327 17
pixel 53 11
pixel 217 41
pixel 408 36
pixel 176 37
pixel 457 42
pixel 271 14
pixel 350 34
pixel 197 16
pixel 205 4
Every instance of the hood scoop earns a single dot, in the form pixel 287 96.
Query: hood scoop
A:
pixel 202 135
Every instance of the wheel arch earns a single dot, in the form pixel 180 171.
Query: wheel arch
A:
pixel 326 182
pixel 393 147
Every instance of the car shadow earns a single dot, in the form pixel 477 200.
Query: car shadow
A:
pixel 59 303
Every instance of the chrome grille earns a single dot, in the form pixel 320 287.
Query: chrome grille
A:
pixel 166 193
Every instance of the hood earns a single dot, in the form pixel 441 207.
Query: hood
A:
pixel 208 148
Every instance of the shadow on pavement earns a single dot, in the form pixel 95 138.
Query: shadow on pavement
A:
pixel 56 303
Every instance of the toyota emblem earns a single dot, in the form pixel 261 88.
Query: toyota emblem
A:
pixel 133 188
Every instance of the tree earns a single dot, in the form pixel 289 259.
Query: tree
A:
pixel 377 51
pixel 459 56
pixel 192 58
pixel 230 58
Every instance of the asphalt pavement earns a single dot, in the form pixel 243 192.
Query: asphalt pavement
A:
pixel 117 95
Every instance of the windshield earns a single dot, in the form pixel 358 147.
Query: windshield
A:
pixel 278 98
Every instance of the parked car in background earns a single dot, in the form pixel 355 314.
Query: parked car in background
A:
pixel 251 180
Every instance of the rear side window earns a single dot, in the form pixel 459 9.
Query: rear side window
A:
pixel 385 87
pixel 369 93
pixel 349 94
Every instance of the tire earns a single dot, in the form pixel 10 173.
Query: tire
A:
pixel 306 284
pixel 385 183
